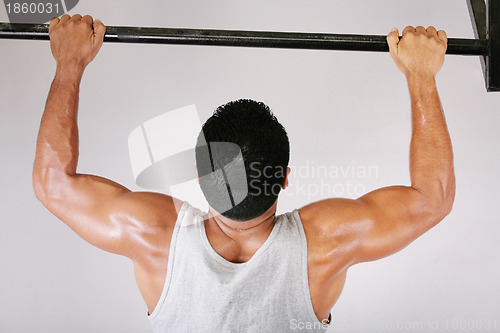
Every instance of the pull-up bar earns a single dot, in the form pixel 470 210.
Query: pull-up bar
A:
pixel 485 20
pixel 288 40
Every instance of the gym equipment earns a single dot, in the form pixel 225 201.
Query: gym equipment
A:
pixel 485 20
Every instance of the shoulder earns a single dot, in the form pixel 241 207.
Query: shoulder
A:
pixel 151 209
pixel 334 224
pixel 151 219
pixel 329 214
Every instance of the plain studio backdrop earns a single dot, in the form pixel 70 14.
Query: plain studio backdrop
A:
pixel 345 112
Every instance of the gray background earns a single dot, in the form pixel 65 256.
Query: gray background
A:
pixel 341 109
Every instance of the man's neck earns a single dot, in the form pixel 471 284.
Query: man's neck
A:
pixel 238 241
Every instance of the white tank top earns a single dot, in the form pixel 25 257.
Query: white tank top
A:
pixel 204 292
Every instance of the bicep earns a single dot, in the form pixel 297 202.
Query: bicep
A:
pixel 106 214
pixel 373 226
pixel 394 217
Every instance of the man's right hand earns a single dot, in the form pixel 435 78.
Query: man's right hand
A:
pixel 420 52
pixel 76 40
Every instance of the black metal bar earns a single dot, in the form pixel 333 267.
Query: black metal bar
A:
pixel 289 40
pixel 477 13
pixel 492 58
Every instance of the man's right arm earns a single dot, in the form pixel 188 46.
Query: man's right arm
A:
pixel 386 220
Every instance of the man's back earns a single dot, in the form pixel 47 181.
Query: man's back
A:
pixel 339 232
pixel 267 293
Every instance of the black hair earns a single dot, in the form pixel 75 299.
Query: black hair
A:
pixel 242 156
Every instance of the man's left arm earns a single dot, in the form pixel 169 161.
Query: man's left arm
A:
pixel 99 210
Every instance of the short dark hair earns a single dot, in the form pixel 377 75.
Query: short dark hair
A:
pixel 265 152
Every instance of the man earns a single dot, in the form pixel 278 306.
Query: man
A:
pixel 242 268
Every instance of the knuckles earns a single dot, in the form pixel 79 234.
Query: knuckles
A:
pixel 66 20
pixel 70 26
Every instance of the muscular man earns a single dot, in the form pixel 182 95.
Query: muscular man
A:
pixel 246 269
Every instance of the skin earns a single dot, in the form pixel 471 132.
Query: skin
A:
pixel 340 232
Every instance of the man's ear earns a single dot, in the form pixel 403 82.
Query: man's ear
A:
pixel 285 183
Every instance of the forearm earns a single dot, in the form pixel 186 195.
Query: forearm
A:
pixel 431 154
pixel 57 144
